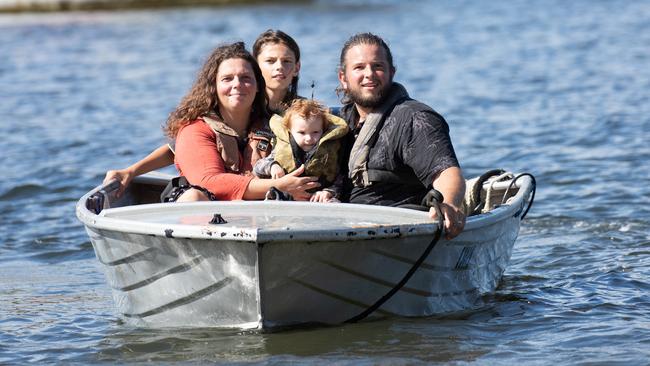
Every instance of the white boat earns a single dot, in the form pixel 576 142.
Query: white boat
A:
pixel 276 264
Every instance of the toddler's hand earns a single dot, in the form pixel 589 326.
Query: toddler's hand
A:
pixel 277 171
pixel 322 196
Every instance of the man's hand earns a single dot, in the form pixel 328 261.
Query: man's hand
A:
pixel 451 184
pixel 454 219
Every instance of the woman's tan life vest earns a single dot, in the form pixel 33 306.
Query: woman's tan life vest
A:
pixel 257 147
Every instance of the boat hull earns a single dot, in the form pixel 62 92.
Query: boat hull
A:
pixel 333 282
pixel 263 272
pixel 159 281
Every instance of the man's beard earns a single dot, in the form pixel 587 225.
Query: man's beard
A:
pixel 371 101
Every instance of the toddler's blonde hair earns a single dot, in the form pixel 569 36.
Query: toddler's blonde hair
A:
pixel 305 108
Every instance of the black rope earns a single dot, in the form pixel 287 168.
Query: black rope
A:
pixel 532 197
pixel 416 265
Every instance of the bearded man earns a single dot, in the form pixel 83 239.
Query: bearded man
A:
pixel 401 147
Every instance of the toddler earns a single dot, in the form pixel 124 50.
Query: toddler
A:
pixel 307 135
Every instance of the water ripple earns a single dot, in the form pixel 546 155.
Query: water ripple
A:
pixel 21 191
pixel 559 89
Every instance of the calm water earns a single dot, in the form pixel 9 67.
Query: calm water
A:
pixel 559 89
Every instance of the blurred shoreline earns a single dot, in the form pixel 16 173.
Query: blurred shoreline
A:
pixel 19 6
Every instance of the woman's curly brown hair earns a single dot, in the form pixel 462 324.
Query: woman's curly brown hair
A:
pixel 202 100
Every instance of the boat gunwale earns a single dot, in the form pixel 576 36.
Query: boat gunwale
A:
pixel 261 236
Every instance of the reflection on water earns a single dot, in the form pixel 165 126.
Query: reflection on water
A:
pixel 378 341
pixel 559 89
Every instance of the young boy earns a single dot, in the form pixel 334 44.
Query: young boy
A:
pixel 307 135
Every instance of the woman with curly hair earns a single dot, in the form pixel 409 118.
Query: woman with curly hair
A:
pixel 220 128
pixel 278 55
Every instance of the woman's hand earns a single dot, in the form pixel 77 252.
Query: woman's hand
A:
pixel 123 176
pixel 296 185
